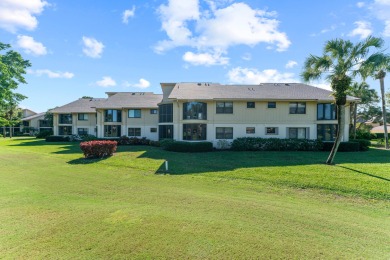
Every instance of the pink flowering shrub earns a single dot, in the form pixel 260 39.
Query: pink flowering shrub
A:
pixel 98 149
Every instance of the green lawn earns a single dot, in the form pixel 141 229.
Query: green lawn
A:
pixel 219 205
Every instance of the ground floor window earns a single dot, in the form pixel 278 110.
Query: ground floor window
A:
pixel 112 131
pixel 194 131
pixel 134 132
pixel 250 130
pixel 65 130
pixel 271 130
pixel 224 133
pixel 153 130
pixel 297 132
pixel 82 131
pixel 165 131
pixel 326 132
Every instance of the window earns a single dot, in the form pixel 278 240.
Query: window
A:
pixel 82 117
pixel 134 132
pixel 134 113
pixel 153 130
pixel 65 118
pixel 250 130
pixel 111 115
pixel 271 104
pixel 44 123
pixel 165 131
pixel 326 111
pixel 166 113
pixel 224 107
pixel 64 130
pixel 326 132
pixel 297 132
pixel 82 131
pixel 195 110
pixel 298 108
pixel 153 111
pixel 112 131
pixel 224 133
pixel 250 104
pixel 26 123
pixel 194 131
pixel 271 130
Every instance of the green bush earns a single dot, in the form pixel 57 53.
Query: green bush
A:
pixel 343 147
pixel 361 134
pixel 44 134
pixel 57 138
pixel 187 147
pixel 275 144
pixel 87 138
pixel 125 140
pixel 363 144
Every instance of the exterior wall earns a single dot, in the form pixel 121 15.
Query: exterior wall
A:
pixel 90 123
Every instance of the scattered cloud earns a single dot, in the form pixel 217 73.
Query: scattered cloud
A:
pixel 214 30
pixel 291 64
pixel 360 4
pixel 253 76
pixel 92 47
pixel 30 46
pixel 363 29
pixel 20 14
pixel 246 56
pixel 106 82
pixel 127 14
pixel 52 74
pixel 142 84
pixel 381 10
pixel 323 85
pixel 206 59
pixel 326 30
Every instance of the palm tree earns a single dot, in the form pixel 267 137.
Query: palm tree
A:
pixel 367 97
pixel 341 62
pixel 376 66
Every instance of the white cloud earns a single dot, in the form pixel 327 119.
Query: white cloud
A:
pixel 323 85
pixel 215 30
pixel 127 14
pixel 381 10
pixel 291 64
pixel 52 74
pixel 15 14
pixel 30 46
pixel 253 76
pixel 106 82
pixel 92 47
pixel 246 56
pixel 206 59
pixel 360 4
pixel 142 84
pixel 363 29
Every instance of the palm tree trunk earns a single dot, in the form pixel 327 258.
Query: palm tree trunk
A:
pixel 382 83
pixel 354 119
pixel 340 133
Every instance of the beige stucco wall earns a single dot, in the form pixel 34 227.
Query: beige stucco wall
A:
pixel 90 123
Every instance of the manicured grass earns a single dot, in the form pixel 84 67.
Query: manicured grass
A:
pixel 55 204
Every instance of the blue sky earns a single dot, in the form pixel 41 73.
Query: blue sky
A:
pixel 86 48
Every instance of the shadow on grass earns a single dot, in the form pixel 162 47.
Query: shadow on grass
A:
pixel 365 173
pixel 87 160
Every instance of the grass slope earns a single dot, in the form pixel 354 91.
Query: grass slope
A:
pixel 55 204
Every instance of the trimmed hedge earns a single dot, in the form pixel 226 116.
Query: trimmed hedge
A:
pixel 98 149
pixel 343 147
pixel 44 134
pixel 57 138
pixel 186 147
pixel 125 140
pixel 275 144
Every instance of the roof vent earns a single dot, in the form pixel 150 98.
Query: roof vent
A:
pixel 199 84
pixel 133 94
pixel 287 84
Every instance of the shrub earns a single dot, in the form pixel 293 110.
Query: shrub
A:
pixel 57 138
pixel 363 144
pixel 343 147
pixel 125 140
pixel 86 138
pixel 275 144
pixel 187 147
pixel 362 134
pixel 98 149
pixel 44 134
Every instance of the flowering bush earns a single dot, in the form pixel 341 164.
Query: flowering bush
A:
pixel 275 144
pixel 98 149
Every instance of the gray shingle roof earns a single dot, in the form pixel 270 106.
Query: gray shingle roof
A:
pixel 82 105
pixel 131 100
pixel 264 91
pixel 33 116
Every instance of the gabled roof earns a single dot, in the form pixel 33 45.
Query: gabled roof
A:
pixel 34 116
pixel 264 91
pixel 130 100
pixel 82 105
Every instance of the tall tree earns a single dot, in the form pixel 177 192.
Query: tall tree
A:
pixel 340 63
pixel 376 66
pixel 367 97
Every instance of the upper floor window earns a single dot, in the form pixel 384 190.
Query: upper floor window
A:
pixel 297 108
pixel 153 111
pixel 65 118
pixel 26 123
pixel 112 115
pixel 271 104
pixel 250 104
pixel 44 123
pixel 134 113
pixel 165 113
pixel 224 107
pixel 195 110
pixel 82 117
pixel 326 111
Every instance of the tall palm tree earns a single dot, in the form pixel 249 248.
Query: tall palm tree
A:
pixel 376 66
pixel 367 96
pixel 340 63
